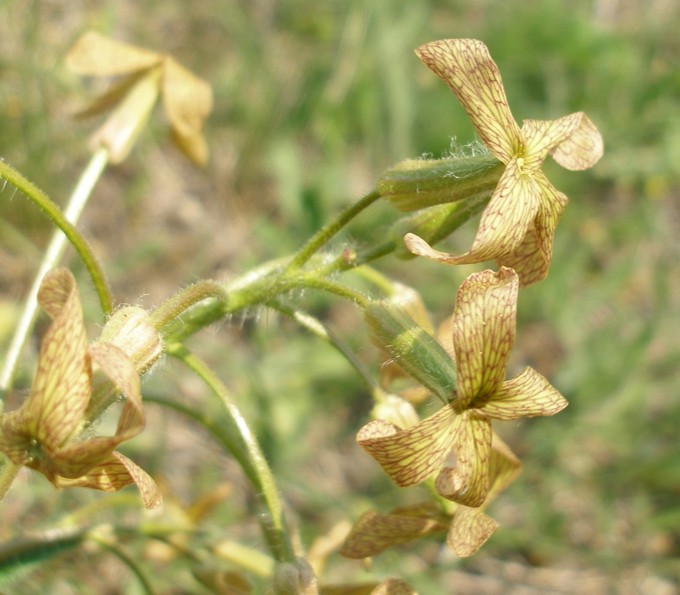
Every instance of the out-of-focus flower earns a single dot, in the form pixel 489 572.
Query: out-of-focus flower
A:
pixel 146 75
pixel 46 431
pixel 483 334
pixel 517 226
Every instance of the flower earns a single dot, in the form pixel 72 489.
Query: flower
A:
pixel 483 330
pixel 46 432
pixel 187 98
pixel 518 224
pixel 468 528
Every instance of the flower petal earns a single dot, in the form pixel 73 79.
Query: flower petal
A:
pixel 61 388
pixel 582 149
pixel 484 332
pixel 187 98
pixel 504 467
pixel 466 66
pixel 97 55
pixel 122 372
pixel 113 474
pixel 528 395
pixel 375 532
pixel 531 260
pixel 504 224
pixel 410 456
pixel 468 482
pixel 542 136
pixel 469 531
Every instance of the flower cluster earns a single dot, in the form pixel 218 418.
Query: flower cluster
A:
pixel 457 445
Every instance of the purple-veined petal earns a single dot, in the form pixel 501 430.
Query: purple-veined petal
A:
pixel 61 389
pixel 375 532
pixel 412 455
pixel 484 332
pixel 468 482
pixel 528 395
pixel 466 66
pixel 543 136
pixel 582 149
pixel 469 531
pixel 505 221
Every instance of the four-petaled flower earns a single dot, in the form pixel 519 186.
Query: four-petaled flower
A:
pixel 47 432
pixel 483 334
pixel 187 99
pixel 518 224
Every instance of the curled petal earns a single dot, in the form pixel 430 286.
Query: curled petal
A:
pixel 582 149
pixel 484 332
pixel 531 260
pixel 375 532
pixel 113 474
pixel 528 395
pixel 545 136
pixel 122 372
pixel 468 482
pixel 469 531
pixel 504 224
pixel 504 467
pixel 97 55
pixel 61 388
pixel 466 66
pixel 410 456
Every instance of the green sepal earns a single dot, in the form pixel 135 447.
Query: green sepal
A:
pixel 418 183
pixel 412 348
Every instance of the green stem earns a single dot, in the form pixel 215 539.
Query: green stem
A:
pixel 247 450
pixel 129 561
pixel 55 250
pixel 323 332
pixel 324 235
pixel 167 312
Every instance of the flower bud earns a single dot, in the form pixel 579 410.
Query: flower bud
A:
pixel 130 329
pixel 395 409
pixel 418 183
pixel 412 347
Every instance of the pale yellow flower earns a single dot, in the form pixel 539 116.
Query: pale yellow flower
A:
pixel 517 226
pixel 48 432
pixel 483 335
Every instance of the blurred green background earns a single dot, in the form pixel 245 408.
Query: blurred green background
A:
pixel 313 101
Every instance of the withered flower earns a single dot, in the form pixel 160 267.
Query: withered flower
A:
pixel 187 98
pixel 46 432
pixel 518 224
pixel 483 334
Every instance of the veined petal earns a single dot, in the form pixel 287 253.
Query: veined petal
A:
pixel 466 66
pixel 468 482
pixel 113 474
pixel 504 467
pixel 528 395
pixel 97 55
pixel 505 221
pixel 122 371
pixel 484 332
pixel 61 389
pixel 79 457
pixel 410 456
pixel 543 136
pixel 531 260
pixel 469 531
pixel 582 149
pixel 375 532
